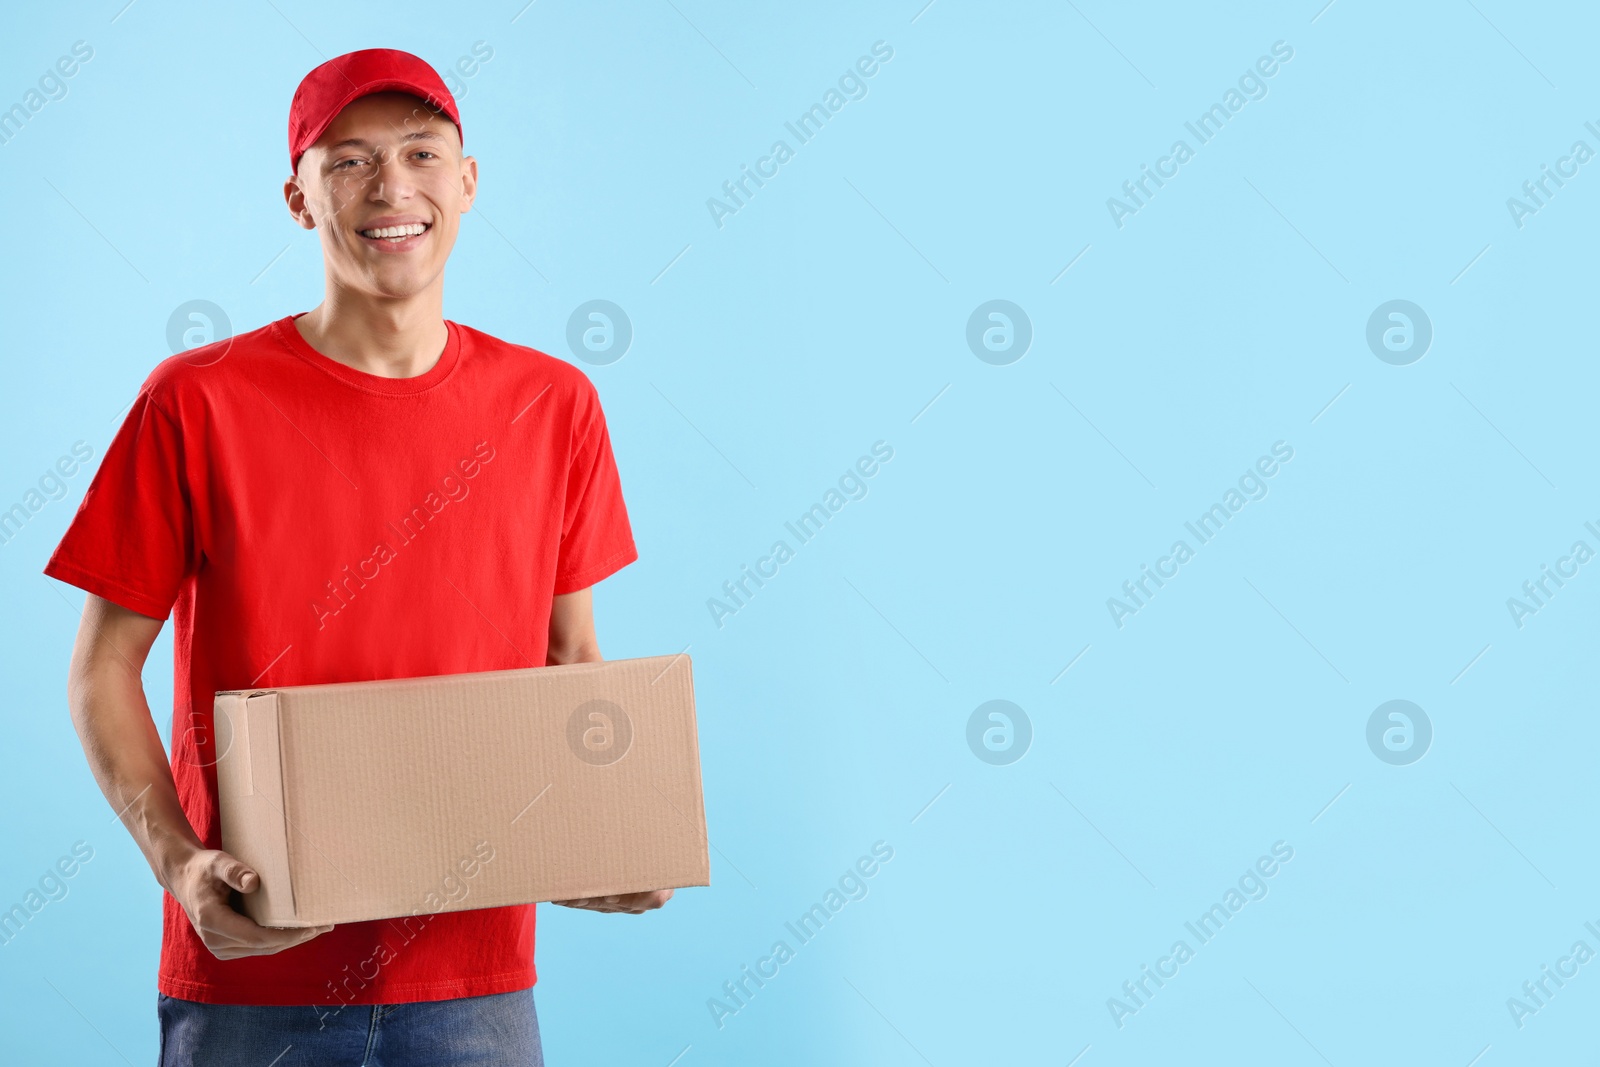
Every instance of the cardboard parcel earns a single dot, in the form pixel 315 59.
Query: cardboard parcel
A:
pixel 371 800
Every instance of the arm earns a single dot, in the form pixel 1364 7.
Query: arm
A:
pixel 106 695
pixel 572 640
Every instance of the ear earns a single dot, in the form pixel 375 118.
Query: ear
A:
pixel 295 197
pixel 469 183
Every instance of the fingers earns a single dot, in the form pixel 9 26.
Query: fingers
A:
pixel 632 903
pixel 230 935
pixel 258 941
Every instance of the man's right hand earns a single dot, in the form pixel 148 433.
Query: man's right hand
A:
pixel 202 883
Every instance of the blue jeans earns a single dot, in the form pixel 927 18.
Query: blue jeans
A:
pixel 498 1030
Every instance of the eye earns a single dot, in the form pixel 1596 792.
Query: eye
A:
pixel 345 162
pixel 425 152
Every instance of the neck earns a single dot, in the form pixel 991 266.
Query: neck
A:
pixel 399 338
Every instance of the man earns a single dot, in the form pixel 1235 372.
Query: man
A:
pixel 365 490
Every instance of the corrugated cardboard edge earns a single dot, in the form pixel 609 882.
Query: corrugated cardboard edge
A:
pixel 250 790
pixel 699 786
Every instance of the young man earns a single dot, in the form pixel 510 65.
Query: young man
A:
pixel 365 490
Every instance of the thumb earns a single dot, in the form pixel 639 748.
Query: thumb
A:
pixel 239 876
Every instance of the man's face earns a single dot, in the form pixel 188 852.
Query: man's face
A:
pixel 386 165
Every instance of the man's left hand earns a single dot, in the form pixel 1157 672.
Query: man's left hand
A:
pixel 632 903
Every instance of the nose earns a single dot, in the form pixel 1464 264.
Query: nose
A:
pixel 393 185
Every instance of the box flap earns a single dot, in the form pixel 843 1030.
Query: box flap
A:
pixel 251 791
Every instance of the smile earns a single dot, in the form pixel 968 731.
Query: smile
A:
pixel 394 235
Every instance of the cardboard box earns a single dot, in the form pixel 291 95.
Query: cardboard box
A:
pixel 369 800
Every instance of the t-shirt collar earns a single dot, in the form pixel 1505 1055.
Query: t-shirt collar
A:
pixel 374 383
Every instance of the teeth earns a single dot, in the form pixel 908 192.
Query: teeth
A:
pixel 409 230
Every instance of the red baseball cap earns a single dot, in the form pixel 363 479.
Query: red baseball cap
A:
pixel 333 86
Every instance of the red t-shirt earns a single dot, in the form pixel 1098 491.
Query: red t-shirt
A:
pixel 306 522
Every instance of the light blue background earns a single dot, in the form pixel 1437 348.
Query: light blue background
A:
pixel 824 316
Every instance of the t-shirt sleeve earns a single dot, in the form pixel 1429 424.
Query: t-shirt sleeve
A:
pixel 596 538
pixel 131 540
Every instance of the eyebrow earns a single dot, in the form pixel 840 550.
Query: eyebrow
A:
pixel 356 142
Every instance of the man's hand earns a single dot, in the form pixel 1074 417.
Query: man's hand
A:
pixel 202 883
pixel 632 903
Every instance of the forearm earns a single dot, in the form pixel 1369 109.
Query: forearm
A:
pixel 589 653
pixel 125 753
